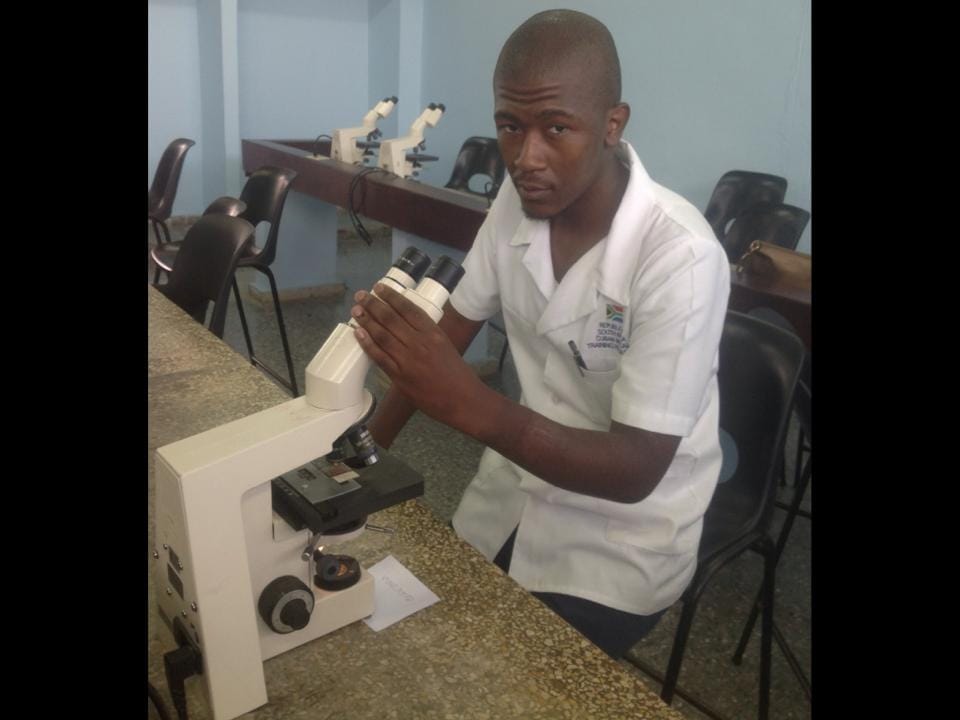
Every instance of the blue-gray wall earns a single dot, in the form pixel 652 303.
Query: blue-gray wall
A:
pixel 303 67
pixel 712 86
pixel 173 94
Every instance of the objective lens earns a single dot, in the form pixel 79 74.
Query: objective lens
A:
pixel 363 445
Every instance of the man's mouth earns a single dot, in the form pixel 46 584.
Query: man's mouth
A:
pixel 532 191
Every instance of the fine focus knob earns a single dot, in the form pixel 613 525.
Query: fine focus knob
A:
pixel 285 604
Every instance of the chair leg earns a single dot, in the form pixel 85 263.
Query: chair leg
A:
pixel 798 460
pixel 766 629
pixel 292 385
pixel 160 241
pixel 792 513
pixel 243 320
pixel 156 231
pixel 679 645
pixel 283 331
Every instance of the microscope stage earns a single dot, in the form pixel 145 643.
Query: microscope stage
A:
pixel 309 497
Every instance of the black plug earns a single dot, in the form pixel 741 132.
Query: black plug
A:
pixel 178 665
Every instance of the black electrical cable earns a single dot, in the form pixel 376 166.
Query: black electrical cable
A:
pixel 178 665
pixel 352 204
pixel 316 144
pixel 157 700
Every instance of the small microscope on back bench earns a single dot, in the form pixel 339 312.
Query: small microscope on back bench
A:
pixel 394 155
pixel 345 144
pixel 244 510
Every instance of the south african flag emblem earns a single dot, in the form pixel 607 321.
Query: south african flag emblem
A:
pixel 615 313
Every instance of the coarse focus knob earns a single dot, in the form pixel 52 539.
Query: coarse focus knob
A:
pixel 285 604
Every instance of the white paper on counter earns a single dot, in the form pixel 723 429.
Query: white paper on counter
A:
pixel 397 593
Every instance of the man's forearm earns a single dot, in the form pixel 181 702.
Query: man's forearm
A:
pixel 392 414
pixel 623 464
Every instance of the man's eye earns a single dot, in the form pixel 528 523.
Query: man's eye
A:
pixel 506 127
pixel 557 129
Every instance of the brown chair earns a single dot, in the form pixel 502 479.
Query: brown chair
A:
pixel 738 190
pixel 203 269
pixel 774 223
pixel 163 190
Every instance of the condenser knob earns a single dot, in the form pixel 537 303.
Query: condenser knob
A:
pixel 285 604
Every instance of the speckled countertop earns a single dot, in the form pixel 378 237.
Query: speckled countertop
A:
pixel 487 650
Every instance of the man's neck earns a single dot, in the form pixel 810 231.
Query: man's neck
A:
pixel 588 220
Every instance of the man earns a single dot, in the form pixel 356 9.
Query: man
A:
pixel 613 290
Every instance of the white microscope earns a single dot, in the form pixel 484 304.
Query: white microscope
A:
pixel 393 153
pixel 243 511
pixel 345 146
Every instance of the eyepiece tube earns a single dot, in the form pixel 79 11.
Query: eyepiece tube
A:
pixel 446 272
pixel 413 262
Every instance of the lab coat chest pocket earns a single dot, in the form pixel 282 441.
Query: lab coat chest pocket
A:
pixel 590 394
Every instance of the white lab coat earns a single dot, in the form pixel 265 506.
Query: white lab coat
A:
pixel 645 307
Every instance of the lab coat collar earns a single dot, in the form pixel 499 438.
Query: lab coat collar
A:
pixel 572 300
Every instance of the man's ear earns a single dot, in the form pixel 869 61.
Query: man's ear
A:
pixel 617 118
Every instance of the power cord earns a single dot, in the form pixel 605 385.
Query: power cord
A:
pixel 352 204
pixel 178 665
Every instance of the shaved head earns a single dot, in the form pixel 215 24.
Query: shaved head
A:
pixel 568 39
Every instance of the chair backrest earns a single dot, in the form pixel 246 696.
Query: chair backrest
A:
pixel 737 190
pixel 759 368
pixel 265 193
pixel 163 190
pixel 226 205
pixel 774 223
pixel 478 156
pixel 204 266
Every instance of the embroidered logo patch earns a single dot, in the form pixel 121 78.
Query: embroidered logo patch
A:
pixel 609 332
pixel 615 313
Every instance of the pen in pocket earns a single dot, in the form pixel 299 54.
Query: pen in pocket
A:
pixel 578 358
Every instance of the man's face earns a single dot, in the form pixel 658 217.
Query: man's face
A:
pixel 551 133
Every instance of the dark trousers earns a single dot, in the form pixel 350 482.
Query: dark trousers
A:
pixel 613 631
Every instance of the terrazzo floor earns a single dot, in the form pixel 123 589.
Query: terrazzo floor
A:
pixel 447 461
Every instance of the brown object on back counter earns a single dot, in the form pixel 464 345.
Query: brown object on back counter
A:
pixel 776 278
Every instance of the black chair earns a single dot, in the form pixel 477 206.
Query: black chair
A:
pixel 738 190
pixel 263 197
pixel 163 190
pixel 478 156
pixel 774 223
pixel 481 156
pixel 203 269
pixel 164 255
pixel 759 368
pixel 265 193
pixel 803 472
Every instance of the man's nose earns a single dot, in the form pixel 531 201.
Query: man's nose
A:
pixel 531 156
